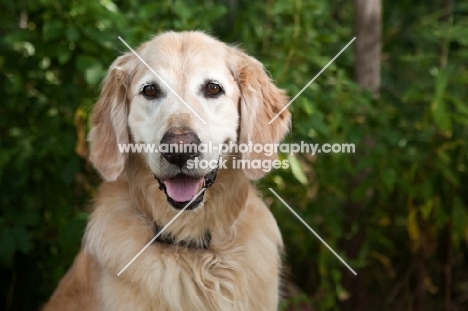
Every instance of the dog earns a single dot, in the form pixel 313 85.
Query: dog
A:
pixel 223 251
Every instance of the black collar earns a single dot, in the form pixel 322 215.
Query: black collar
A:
pixel 190 244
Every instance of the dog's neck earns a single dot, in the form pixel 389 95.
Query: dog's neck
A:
pixel 168 239
pixel 223 202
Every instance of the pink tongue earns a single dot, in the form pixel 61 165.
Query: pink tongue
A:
pixel 183 189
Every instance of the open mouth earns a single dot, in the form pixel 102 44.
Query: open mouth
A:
pixel 182 188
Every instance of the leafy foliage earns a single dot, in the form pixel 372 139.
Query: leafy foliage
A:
pixel 396 210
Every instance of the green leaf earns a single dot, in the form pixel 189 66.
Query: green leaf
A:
pixel 52 30
pixel 72 33
pixel 94 74
pixel 297 170
pixel 438 106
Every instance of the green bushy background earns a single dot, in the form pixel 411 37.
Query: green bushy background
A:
pixel 396 210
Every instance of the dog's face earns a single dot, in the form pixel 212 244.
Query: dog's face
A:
pixel 204 93
pixel 204 83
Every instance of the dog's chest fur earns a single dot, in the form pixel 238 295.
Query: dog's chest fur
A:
pixel 238 271
pixel 184 279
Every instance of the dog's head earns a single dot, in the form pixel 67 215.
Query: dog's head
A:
pixel 204 92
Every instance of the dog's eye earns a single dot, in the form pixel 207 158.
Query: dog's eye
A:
pixel 213 89
pixel 151 91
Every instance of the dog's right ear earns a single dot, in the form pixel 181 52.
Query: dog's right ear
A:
pixel 109 120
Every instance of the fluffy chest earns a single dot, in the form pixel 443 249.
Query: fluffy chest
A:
pixel 182 279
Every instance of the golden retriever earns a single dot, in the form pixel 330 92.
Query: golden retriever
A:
pixel 223 252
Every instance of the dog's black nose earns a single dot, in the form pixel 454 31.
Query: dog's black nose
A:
pixel 180 145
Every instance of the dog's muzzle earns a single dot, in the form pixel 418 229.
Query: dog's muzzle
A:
pixel 182 188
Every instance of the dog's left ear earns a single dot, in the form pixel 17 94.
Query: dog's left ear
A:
pixel 109 121
pixel 260 102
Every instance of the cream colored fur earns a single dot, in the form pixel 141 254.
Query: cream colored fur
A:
pixel 240 270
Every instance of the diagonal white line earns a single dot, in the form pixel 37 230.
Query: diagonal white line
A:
pixel 308 227
pixel 164 82
pixel 159 233
pixel 313 79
